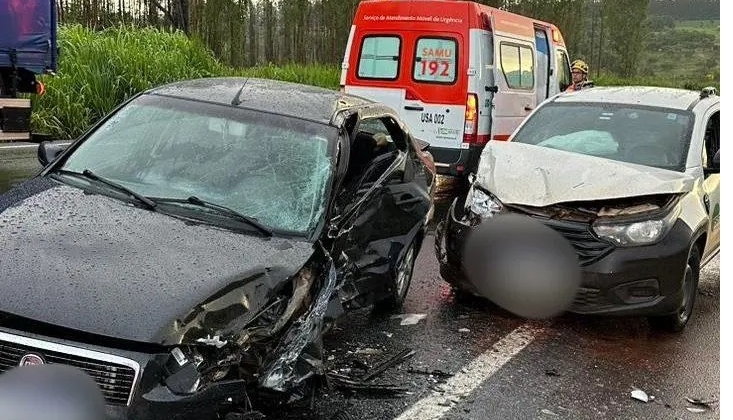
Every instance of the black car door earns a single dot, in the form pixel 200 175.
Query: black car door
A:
pixel 386 200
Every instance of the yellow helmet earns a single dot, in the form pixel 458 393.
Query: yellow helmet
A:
pixel 579 65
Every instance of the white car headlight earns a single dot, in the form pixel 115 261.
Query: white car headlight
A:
pixel 644 232
pixel 484 205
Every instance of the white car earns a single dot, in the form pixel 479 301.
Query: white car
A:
pixel 630 176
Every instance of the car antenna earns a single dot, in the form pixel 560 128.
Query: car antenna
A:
pixel 236 101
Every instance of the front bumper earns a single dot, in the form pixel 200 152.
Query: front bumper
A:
pixel 645 280
pixel 149 399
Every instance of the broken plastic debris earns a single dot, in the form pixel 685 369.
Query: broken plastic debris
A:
pixel 464 330
pixel 548 412
pixel 640 395
pixel 368 352
pixel 388 334
pixel 390 362
pixel 701 401
pixel 213 341
pixel 696 410
pixel 409 319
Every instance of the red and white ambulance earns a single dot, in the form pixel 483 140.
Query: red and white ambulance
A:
pixel 458 72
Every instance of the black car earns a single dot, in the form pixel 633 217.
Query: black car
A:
pixel 190 250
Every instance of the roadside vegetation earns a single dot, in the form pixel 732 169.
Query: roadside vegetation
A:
pixel 98 70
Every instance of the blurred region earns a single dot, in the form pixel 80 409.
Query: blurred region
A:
pixel 523 266
pixel 49 392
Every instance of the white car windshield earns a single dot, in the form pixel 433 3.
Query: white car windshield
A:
pixel 657 137
pixel 273 168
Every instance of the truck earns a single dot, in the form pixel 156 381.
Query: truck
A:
pixel 28 49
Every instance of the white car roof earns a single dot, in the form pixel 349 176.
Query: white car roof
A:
pixel 680 99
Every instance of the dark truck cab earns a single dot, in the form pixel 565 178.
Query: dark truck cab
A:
pixel 28 48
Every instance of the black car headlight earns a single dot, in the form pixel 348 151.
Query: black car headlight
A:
pixel 636 233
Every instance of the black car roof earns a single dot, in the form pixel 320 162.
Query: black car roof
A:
pixel 286 98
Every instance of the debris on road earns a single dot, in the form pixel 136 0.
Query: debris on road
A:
pixel 549 413
pixel 436 373
pixel 345 383
pixel 388 334
pixel 409 319
pixel 696 410
pixel 552 372
pixel 701 405
pixel 368 352
pixel 642 396
pixel 392 361
pixel 701 401
pixel 464 330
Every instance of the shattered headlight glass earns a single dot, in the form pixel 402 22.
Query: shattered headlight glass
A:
pixel 483 204
pixel 636 233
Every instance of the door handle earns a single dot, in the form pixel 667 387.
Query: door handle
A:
pixel 414 108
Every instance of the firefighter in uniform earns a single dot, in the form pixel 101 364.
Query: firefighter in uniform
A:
pixel 579 70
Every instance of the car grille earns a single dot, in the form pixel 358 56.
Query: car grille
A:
pixel 588 248
pixel 115 380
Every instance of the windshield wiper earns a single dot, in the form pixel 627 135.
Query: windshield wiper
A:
pixel 221 210
pixel 86 173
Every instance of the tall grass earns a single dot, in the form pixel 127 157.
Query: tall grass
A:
pixel 100 69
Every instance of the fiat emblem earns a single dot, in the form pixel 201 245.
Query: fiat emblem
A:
pixel 31 360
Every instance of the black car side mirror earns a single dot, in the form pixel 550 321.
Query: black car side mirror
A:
pixel 48 151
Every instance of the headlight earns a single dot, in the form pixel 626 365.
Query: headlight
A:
pixel 484 205
pixel 644 232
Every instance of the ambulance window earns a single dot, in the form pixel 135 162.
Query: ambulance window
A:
pixel 379 58
pixel 563 71
pixel 435 60
pixel 517 64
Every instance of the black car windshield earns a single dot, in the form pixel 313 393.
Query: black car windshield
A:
pixel 657 137
pixel 270 167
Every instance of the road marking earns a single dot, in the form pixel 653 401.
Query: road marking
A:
pixel 480 369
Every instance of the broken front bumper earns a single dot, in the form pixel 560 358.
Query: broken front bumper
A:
pixel 615 281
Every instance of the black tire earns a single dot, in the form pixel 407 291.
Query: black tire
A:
pixel 677 321
pixel 401 280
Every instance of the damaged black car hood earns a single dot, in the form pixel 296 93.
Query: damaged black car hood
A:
pixel 95 264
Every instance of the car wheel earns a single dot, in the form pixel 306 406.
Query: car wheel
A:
pixel 677 321
pixel 401 279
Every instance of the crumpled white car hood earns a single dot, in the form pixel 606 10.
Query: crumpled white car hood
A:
pixel 529 175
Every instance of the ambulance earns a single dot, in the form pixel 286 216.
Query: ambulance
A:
pixel 459 73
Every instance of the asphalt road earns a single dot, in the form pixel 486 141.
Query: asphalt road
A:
pixel 491 364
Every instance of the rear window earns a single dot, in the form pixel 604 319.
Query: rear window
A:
pixel 379 57
pixel 435 60
pixel 517 64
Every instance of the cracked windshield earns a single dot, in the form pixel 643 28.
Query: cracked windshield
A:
pixel 360 209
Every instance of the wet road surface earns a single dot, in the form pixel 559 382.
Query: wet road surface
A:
pixel 491 364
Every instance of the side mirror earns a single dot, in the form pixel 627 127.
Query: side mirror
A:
pixel 48 151
pixel 423 145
